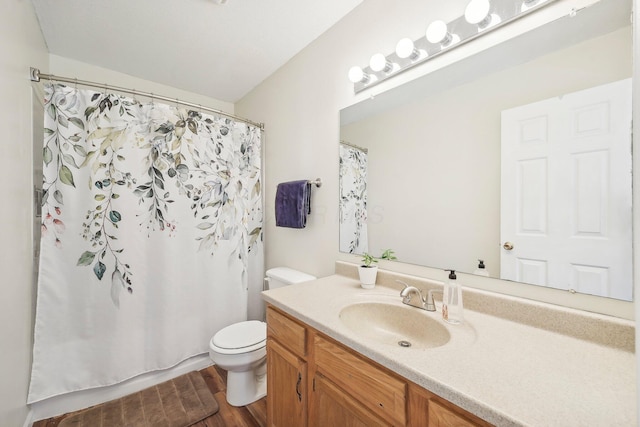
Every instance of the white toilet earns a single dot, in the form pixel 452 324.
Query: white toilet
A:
pixel 241 348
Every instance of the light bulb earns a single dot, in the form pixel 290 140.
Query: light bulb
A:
pixel 378 62
pixel 406 49
pixel 437 32
pixel 356 75
pixel 477 11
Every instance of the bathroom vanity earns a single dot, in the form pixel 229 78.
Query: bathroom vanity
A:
pixel 570 368
pixel 336 386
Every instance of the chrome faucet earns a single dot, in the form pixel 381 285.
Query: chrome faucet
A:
pixel 412 296
pixel 429 304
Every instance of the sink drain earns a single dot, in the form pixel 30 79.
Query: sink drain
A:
pixel 404 343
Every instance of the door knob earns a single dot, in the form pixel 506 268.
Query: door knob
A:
pixel 508 245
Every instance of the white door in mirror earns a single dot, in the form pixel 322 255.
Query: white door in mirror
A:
pixel 566 192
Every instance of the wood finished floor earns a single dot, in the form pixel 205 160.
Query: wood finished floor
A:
pixel 254 415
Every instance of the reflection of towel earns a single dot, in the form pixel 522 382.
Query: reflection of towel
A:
pixel 293 203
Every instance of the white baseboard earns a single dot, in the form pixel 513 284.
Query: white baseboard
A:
pixel 83 399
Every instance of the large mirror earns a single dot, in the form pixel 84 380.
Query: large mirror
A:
pixel 519 156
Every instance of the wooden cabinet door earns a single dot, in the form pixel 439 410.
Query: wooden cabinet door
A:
pixel 333 407
pixel 441 416
pixel 286 388
pixel 383 393
pixel 428 410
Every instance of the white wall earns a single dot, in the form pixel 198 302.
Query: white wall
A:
pixel 65 67
pixel 21 46
pixel 299 105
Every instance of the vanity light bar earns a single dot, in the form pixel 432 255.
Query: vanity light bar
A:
pixel 481 16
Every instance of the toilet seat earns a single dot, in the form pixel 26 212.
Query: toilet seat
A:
pixel 242 337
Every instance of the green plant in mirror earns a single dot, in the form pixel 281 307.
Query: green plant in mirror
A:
pixel 388 255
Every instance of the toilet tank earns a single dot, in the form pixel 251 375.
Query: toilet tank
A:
pixel 283 276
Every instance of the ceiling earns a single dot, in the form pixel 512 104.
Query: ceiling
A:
pixel 219 50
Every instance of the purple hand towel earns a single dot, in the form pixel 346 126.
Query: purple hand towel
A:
pixel 293 204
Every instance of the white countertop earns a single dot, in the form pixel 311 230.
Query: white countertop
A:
pixel 507 373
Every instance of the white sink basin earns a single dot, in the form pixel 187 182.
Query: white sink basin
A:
pixel 396 325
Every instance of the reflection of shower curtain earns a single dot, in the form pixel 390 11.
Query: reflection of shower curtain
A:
pixel 151 222
pixel 353 200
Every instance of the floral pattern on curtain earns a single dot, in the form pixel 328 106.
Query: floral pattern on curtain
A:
pixel 353 200
pixel 184 155
pixel 143 205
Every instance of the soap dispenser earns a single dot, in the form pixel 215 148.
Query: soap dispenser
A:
pixel 452 300
pixel 481 270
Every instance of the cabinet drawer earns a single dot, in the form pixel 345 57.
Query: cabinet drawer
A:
pixel 288 332
pixel 384 394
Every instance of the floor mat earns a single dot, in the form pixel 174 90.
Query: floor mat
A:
pixel 179 402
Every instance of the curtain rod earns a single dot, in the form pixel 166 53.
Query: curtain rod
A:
pixel 365 150
pixel 35 76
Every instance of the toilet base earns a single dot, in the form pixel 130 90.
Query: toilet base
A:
pixel 246 387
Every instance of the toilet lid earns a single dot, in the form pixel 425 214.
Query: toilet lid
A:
pixel 241 335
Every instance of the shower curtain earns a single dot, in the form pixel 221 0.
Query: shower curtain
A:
pixel 353 200
pixel 151 237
